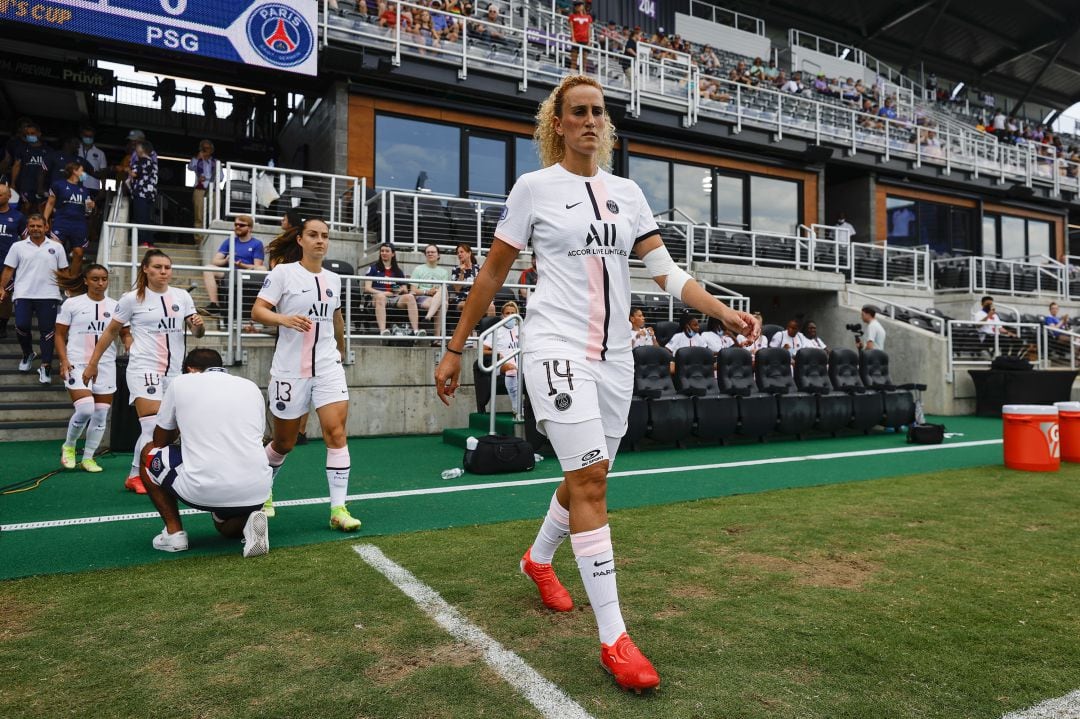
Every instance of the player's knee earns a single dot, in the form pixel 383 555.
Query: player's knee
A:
pixel 335 437
pixel 589 482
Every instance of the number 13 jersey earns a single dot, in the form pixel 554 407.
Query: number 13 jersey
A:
pixel 294 290
pixel 582 230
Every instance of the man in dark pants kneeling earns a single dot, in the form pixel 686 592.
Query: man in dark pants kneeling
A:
pixel 222 468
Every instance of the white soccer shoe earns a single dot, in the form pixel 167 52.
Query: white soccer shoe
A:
pixel 256 535
pixel 171 542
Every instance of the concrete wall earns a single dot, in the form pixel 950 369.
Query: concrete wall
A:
pixel 324 135
pixel 706 32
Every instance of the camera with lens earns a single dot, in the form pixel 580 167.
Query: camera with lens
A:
pixel 856 329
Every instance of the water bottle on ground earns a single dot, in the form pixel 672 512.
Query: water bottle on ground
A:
pixel 453 473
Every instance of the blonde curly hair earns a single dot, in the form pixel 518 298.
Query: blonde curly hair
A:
pixel 549 143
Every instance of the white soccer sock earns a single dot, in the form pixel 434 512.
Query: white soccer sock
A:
pixel 596 563
pixel 84 410
pixel 275 458
pixel 337 474
pixel 148 423
pixel 96 430
pixel 555 528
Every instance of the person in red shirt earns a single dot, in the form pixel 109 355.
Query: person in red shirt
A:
pixel 580 33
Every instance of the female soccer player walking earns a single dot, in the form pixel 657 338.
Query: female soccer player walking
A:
pixel 578 366
pixel 81 322
pixel 304 301
pixel 158 315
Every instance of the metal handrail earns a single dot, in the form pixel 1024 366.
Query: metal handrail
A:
pixel 1050 279
pixel 344 196
pixel 973 355
pixel 498 362
pixel 920 257
pixel 935 321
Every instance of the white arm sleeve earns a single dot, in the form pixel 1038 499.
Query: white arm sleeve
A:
pixel 659 263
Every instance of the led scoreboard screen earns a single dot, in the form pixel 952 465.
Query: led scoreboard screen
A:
pixel 267 33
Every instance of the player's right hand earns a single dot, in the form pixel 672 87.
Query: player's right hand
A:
pixel 300 323
pixel 89 374
pixel 446 377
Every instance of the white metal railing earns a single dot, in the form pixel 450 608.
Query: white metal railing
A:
pixel 989 275
pixel 1062 347
pixel 266 193
pixel 902 313
pixel 722 16
pixel 493 365
pixel 971 343
pixel 767 249
pixel 414 219
pixel 890 266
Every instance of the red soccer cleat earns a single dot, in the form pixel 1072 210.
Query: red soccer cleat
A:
pixel 134 484
pixel 552 592
pixel 624 661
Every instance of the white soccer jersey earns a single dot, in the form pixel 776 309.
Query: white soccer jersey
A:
pixel 294 290
pixel 35 265
pixel 816 343
pixel 680 340
pixel 582 231
pixel 781 338
pixel 86 321
pixel 716 341
pixel 221 421
pixel 157 329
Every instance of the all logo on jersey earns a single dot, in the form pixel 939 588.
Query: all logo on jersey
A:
pixel 280 35
pixel 601 239
pixel 320 310
pixel 612 207
pixel 563 401
pixel 95 327
pixel 167 324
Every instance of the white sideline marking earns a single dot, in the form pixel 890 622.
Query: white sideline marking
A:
pixel 1066 707
pixel 515 483
pixel 547 697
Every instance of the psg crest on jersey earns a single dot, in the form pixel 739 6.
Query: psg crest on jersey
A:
pixel 151 390
pixel 52 251
pixel 280 406
pixel 329 293
pixel 612 207
pixel 176 308
pixel 156 465
pixel 107 315
pixel 563 401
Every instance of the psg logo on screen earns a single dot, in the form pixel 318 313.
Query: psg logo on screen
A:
pixel 280 35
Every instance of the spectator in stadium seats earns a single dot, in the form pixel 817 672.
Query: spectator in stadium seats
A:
pixel 384 291
pixel 641 336
pixel 716 337
pixel 507 338
pixel 527 277
pixel 631 49
pixel 788 338
pixel 389 19
pixel 869 118
pixel 12 225
pixel 492 30
pixel 429 296
pixel 29 173
pixel 821 85
pixel 221 467
pixel 581 34
pixel 689 334
pixel 166 93
pixel 611 39
pixel 709 89
pixel 249 254
pixel 209 102
pixel 780 81
pixel 444 26
pixel 794 85
pixel 888 110
pixel 66 209
pixel 740 74
pixel 757 71
pixel 998 124
pixel 207 170
pixel 874 334
pixel 810 336
pixel 466 271
pixel 978 314
pixel 144 189
pixel 843 224
pixel 1054 319
pixel 34 262
pixel 771 72
pixel 1008 341
pixel 709 61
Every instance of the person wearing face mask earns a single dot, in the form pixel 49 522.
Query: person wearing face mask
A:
pixel 507 341
pixel 93 158
pixel 689 334
pixel 68 204
pixel 29 173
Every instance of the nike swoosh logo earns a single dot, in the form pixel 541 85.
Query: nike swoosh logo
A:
pixel 570 207
pixel 600 564
pixel 307 290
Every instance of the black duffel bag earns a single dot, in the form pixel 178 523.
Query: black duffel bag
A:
pixel 499 454
pixel 926 434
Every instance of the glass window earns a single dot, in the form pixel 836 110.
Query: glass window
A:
pixel 1012 238
pixel 526 158
pixel 774 205
pixel 652 177
pixel 989 236
pixel 728 192
pixel 961 240
pixel 693 193
pixel 1040 240
pixel 487 168
pixel 903 225
pixel 411 154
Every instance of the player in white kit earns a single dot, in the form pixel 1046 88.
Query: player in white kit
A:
pixel 158 315
pixel 304 301
pixel 81 322
pixel 583 223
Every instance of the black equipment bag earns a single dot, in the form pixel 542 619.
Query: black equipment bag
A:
pixel 1013 364
pixel 926 434
pixel 499 454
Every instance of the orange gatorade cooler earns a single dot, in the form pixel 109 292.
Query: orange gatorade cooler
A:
pixel 1031 437
pixel 1069 430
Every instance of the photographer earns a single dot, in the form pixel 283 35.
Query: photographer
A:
pixel 875 333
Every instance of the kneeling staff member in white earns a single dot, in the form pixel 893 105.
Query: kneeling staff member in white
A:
pixel 223 468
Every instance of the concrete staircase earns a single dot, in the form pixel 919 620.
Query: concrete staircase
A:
pixel 29 410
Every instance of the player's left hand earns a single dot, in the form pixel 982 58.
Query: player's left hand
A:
pixel 446 376
pixel 196 321
pixel 743 323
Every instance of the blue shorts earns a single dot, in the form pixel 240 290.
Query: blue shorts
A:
pixel 72 237
pixel 161 466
